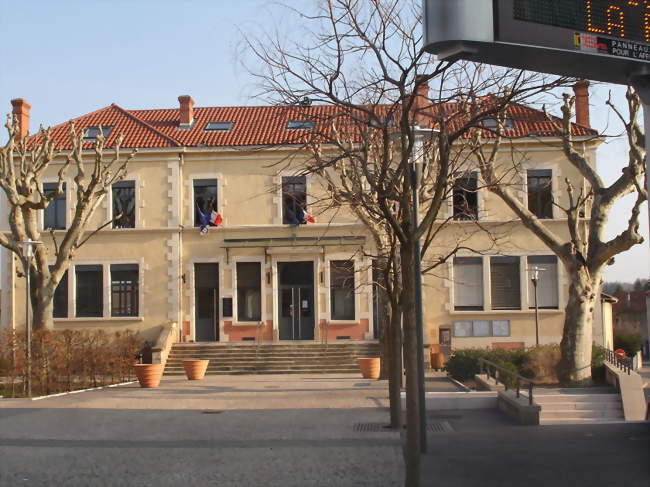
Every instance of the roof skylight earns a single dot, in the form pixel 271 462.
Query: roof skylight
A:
pixel 300 125
pixel 219 126
pixel 91 133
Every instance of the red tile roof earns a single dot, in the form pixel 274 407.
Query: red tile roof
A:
pixel 252 125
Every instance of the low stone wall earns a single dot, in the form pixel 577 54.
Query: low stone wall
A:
pixel 518 408
pixel 457 400
pixel 630 385
pixel 163 345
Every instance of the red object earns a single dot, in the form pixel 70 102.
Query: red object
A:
pixel 620 353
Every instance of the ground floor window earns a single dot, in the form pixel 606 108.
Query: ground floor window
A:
pixel 249 291
pixel 60 298
pixel 547 281
pixel 89 291
pixel 342 289
pixel 504 278
pixel 124 289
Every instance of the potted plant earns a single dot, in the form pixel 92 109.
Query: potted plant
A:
pixel 195 369
pixel 148 374
pixel 370 367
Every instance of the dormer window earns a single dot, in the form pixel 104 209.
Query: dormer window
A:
pixel 219 126
pixel 493 123
pixel 91 133
pixel 300 125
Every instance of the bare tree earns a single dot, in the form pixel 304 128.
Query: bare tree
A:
pixel 585 252
pixel 363 61
pixel 23 164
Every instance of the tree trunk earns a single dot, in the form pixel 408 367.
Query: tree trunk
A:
pixel 575 363
pixel 412 450
pixel 42 314
pixel 395 369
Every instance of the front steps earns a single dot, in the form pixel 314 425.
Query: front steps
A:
pixel 576 407
pixel 272 358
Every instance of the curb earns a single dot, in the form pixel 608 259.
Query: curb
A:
pixel 83 390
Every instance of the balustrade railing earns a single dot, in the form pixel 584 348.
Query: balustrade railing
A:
pixel 497 373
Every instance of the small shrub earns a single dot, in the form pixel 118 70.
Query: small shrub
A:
pixel 541 363
pixel 630 342
pixel 597 355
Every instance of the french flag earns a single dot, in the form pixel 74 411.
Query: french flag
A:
pixel 309 218
pixel 215 218
pixel 303 217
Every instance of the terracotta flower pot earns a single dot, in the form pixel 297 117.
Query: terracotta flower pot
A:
pixel 148 374
pixel 195 369
pixel 437 360
pixel 370 367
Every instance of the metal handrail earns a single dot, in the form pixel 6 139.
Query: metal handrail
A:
pixel 623 363
pixel 486 365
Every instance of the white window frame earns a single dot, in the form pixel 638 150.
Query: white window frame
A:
pixel 277 182
pixel 106 290
pixel 41 213
pixel 235 295
pixel 357 282
pixel 220 199
pixel 138 204
pixel 555 174
pixel 530 297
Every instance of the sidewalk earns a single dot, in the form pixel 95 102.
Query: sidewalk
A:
pixel 260 430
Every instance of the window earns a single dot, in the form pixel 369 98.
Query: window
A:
pixel 123 204
pixel 493 123
pixel 482 328
pixel 91 133
pixel 89 290
pixel 249 291
pixel 54 213
pixel 504 274
pixel 294 199
pixel 60 298
pixel 342 289
pixel 300 125
pixel 547 288
pixel 540 193
pixel 465 198
pixel 205 200
pixel 468 283
pixel 124 290
pixel 219 126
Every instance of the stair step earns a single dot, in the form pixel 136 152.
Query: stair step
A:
pixel 568 420
pixel 571 398
pixel 587 413
pixel 561 406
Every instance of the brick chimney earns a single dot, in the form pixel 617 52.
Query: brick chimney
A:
pixel 187 111
pixel 21 112
pixel 421 102
pixel 581 90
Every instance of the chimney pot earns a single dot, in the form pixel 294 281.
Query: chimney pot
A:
pixel 421 102
pixel 20 110
pixel 581 90
pixel 187 110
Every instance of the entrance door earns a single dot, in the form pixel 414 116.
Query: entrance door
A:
pixel 296 300
pixel 206 304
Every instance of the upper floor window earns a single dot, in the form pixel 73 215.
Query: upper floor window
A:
pixel 547 281
pixel 540 192
pixel 300 125
pixel 504 283
pixel 54 213
pixel 294 199
pixel 342 289
pixel 465 197
pixel 493 123
pixel 123 194
pixel 91 133
pixel 124 290
pixel 219 126
pixel 249 291
pixel 468 283
pixel 205 202
pixel 89 290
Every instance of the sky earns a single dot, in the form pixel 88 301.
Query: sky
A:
pixel 70 57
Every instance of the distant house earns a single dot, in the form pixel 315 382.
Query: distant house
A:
pixel 630 312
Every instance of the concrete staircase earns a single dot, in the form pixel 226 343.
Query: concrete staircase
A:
pixel 267 358
pixel 579 406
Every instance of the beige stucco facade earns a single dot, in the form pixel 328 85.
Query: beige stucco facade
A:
pixel 167 246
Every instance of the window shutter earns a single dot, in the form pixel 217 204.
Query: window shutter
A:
pixel 547 289
pixel 468 283
pixel 504 273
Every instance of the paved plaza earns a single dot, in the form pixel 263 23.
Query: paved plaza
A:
pixel 293 430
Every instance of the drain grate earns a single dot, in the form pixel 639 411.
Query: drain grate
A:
pixel 432 427
pixel 211 411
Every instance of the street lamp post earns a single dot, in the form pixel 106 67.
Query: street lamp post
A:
pixel 535 279
pixel 27 247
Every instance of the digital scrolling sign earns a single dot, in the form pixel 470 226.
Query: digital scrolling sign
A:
pixel 623 19
pixel 603 40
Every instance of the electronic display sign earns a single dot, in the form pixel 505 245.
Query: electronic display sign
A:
pixel 603 40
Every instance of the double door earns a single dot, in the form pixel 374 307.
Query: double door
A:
pixel 206 306
pixel 296 300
